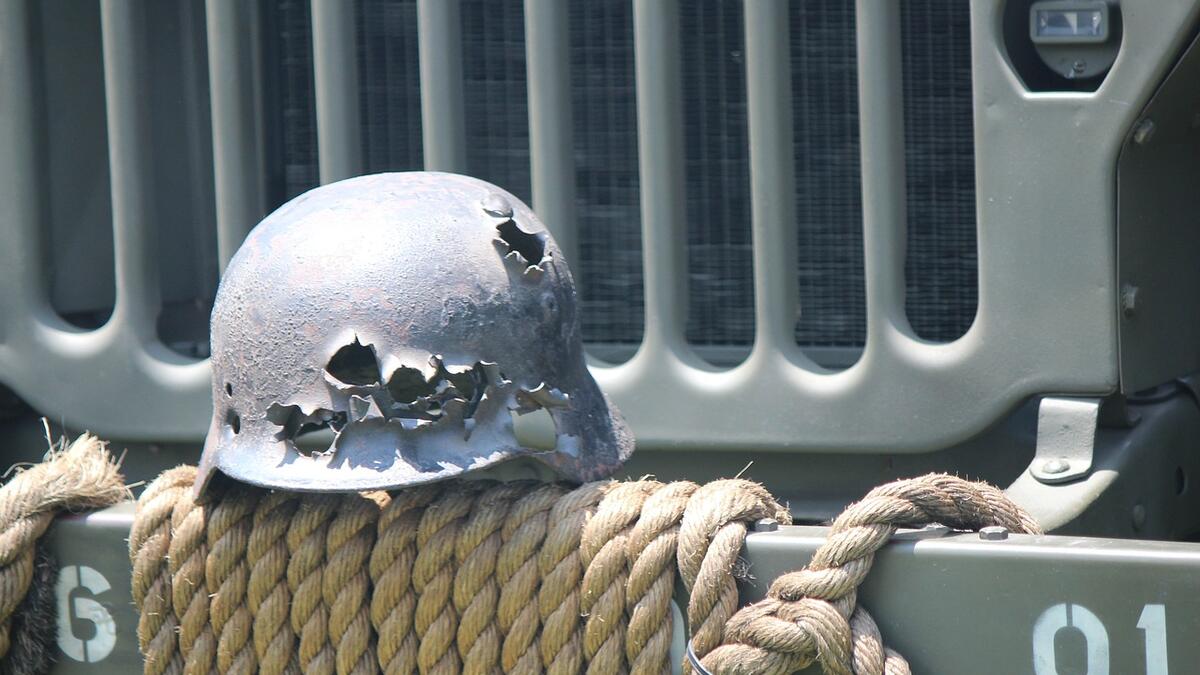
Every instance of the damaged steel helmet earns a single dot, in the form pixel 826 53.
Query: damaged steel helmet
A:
pixel 413 315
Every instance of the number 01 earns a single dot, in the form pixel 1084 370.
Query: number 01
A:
pixel 1153 622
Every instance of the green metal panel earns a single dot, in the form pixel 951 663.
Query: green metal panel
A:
pixel 960 604
pixel 950 603
pixel 1158 246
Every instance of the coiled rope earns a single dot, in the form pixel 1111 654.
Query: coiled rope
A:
pixel 481 577
pixel 82 476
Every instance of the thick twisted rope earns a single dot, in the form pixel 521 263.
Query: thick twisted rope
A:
pixel 809 614
pixel 603 554
pixel 267 594
pixel 393 600
pixel 83 476
pixel 227 577
pixel 517 613
pixel 650 551
pixel 346 584
pixel 711 536
pixel 435 620
pixel 562 571
pixel 476 591
pixel 186 558
pixel 149 544
pixel 483 577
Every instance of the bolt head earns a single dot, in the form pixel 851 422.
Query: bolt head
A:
pixel 1055 466
pixel 766 525
pixel 993 533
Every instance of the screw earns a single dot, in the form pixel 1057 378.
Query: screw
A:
pixel 993 533
pixel 496 205
pixel 1055 466
pixel 1143 131
pixel 1079 66
pixel 766 525
pixel 1128 299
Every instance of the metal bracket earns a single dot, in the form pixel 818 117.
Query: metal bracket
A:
pixel 1066 437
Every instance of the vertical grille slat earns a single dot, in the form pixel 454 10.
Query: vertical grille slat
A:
pixel 768 74
pixel 335 74
pixel 881 130
pixel 20 207
pixel 439 29
pixel 660 159
pixel 236 156
pixel 552 168
pixel 134 239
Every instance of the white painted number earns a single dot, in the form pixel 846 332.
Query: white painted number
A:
pixel 100 645
pixel 1154 622
pixel 1063 616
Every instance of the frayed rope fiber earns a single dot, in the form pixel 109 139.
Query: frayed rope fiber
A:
pixel 483 577
pixel 80 477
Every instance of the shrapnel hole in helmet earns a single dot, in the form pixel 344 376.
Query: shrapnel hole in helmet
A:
pixel 354 363
pixel 531 247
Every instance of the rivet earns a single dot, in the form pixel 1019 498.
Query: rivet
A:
pixel 993 533
pixel 496 205
pixel 1055 466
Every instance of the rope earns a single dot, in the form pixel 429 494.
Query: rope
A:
pixel 485 577
pixel 83 476
pixel 394 600
pixel 810 614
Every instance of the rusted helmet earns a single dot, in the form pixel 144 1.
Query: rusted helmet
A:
pixel 413 315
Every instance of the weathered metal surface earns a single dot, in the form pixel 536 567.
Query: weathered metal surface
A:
pixel 413 314
pixel 953 603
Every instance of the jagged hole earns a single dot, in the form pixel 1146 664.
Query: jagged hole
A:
pixel 530 246
pixel 407 385
pixel 354 364
pixel 466 382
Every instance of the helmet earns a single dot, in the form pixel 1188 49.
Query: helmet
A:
pixel 413 315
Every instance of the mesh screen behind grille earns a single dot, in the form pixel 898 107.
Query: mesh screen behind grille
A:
pixel 290 107
pixel 942 274
pixel 941 293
